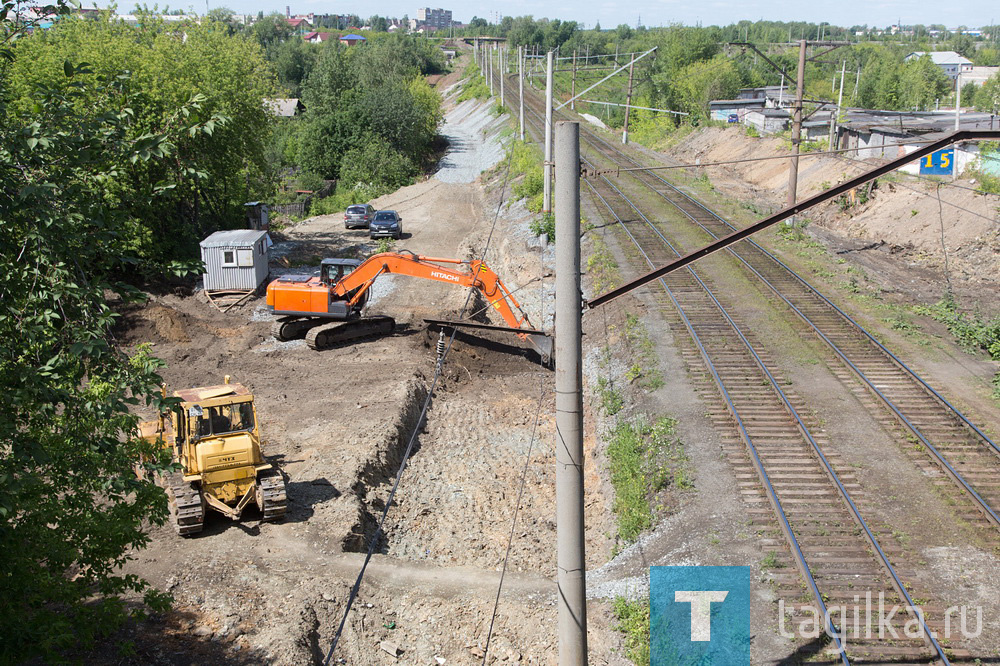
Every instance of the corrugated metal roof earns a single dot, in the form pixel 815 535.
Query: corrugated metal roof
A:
pixel 942 57
pixel 233 238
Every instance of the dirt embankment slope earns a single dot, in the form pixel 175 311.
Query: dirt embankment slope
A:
pixel 914 219
pixel 337 422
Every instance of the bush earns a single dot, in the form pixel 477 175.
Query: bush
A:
pixel 376 164
pixel 546 224
pixel 633 621
pixel 475 86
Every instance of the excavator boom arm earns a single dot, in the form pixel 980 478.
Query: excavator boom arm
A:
pixel 353 286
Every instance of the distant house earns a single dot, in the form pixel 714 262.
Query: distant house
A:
pixel 352 39
pixel 317 37
pixel 773 97
pixel 284 107
pixel 979 75
pixel 767 121
pixel 951 63
pixel 299 24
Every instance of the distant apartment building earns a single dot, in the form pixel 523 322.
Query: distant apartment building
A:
pixel 434 18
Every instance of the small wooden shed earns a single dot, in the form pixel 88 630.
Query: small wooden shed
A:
pixel 235 260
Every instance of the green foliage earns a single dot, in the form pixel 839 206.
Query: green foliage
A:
pixel 771 561
pixel 475 85
pixel 988 96
pixel 546 224
pixel 611 400
pixel 211 81
pixel 972 331
pixel 887 82
pixel 633 621
pixel 71 508
pixel 644 458
pixel 371 101
pixel 375 163
pixel 641 346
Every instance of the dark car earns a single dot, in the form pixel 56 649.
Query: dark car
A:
pixel 386 223
pixel 358 216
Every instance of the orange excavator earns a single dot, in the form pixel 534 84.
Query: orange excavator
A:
pixel 327 309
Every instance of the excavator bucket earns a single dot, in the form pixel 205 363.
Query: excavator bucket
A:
pixel 543 345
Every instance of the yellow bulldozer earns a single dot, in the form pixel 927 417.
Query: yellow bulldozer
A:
pixel 212 433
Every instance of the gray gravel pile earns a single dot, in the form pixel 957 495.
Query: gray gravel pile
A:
pixel 473 137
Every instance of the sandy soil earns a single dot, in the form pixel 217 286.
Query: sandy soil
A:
pixel 337 423
pixel 903 222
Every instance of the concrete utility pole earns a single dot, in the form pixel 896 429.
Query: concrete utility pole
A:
pixel 835 115
pixel 572 576
pixel 520 90
pixel 958 98
pixel 547 166
pixel 502 68
pixel 793 172
pixel 489 66
pixel 572 90
pixel 628 99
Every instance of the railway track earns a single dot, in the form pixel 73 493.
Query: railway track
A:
pixel 785 476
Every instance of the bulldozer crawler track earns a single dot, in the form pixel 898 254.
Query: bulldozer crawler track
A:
pixel 334 333
pixel 272 499
pixel 187 512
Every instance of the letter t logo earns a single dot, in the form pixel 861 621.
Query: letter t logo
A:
pixel 701 610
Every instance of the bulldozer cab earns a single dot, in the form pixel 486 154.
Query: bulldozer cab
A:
pixel 221 419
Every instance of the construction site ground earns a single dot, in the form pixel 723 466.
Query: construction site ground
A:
pixel 337 423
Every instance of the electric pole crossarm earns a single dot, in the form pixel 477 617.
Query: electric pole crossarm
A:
pixel 622 68
pixel 833 47
pixel 770 62
pixel 784 214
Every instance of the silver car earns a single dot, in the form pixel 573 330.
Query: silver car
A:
pixel 358 216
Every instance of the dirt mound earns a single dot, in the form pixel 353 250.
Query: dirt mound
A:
pixel 918 220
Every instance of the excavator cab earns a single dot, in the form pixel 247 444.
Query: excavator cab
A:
pixel 333 271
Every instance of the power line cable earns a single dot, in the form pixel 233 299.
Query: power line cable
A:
pixel 438 370
pixel 517 507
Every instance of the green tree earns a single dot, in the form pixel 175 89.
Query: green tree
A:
pixel 212 173
pixel 375 164
pixel 71 508
pixel 988 97
pixel 705 80
pixel 271 28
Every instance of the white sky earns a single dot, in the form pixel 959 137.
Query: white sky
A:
pixel 610 13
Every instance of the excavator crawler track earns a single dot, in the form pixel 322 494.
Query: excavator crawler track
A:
pixel 271 496
pixel 334 333
pixel 291 328
pixel 187 512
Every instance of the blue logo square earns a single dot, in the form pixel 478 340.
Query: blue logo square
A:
pixel 700 615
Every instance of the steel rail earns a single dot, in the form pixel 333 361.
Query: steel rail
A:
pixel 786 528
pixel 789 211
pixel 978 500
pixel 765 479
pixel 856 514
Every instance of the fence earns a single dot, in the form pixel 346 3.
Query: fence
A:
pixel 301 208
